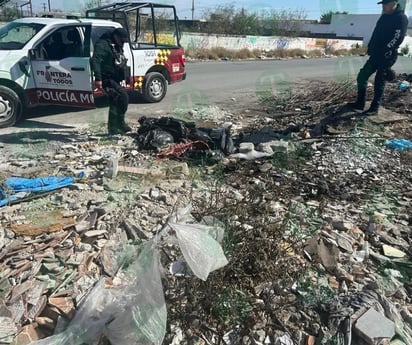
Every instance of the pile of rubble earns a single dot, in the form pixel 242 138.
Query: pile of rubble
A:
pixel 317 234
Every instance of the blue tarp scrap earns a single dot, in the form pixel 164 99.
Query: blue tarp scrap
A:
pixel 399 144
pixel 16 187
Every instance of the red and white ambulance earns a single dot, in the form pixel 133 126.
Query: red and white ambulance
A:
pixel 47 60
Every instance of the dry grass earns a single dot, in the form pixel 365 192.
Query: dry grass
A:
pixel 219 53
pixel 352 51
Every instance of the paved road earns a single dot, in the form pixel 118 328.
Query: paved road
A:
pixel 210 83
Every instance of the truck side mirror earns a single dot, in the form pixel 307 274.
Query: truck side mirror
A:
pixel 32 54
pixel 23 63
pixel 38 53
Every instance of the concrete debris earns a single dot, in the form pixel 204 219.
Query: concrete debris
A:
pixel 392 252
pixel 337 229
pixel 374 327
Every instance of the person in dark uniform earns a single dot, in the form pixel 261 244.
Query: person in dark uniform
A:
pixel 383 47
pixel 110 69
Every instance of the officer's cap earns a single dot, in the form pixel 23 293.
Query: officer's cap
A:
pixel 383 2
pixel 122 34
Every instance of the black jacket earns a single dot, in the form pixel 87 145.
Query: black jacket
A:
pixel 387 36
pixel 108 61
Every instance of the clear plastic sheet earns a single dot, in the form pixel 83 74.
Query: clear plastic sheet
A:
pixel 130 308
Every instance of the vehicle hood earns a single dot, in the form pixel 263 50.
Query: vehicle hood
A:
pixel 4 53
pixel 9 60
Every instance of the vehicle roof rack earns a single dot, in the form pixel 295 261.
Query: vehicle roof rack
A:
pixel 125 7
pixel 61 15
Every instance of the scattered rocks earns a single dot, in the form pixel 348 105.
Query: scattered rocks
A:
pixel 319 232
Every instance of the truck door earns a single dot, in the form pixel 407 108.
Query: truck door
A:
pixel 61 67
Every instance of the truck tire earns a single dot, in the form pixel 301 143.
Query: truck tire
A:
pixel 155 87
pixel 10 107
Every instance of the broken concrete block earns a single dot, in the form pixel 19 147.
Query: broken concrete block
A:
pixel 7 329
pixel 341 225
pixel 392 252
pixel 27 336
pixel 265 147
pixel 374 327
pixel 246 147
pixel 279 146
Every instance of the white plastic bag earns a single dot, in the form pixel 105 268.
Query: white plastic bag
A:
pixel 201 251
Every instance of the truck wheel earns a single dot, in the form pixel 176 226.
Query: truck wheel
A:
pixel 155 87
pixel 10 107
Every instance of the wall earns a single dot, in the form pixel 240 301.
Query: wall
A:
pixel 204 41
pixel 347 25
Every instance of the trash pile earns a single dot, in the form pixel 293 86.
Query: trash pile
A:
pixel 67 250
pixel 297 234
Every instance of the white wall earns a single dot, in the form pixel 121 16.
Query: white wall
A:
pixel 347 25
pixel 354 25
pixel 264 43
pixel 342 25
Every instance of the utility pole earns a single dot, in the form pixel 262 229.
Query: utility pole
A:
pixel 44 7
pixel 49 5
pixel 193 9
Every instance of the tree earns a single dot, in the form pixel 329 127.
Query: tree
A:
pixel 9 13
pixel 326 17
pixel 94 3
pixel 281 23
pixel 244 23
pixel 228 20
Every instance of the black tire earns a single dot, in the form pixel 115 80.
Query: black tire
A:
pixel 155 87
pixel 10 107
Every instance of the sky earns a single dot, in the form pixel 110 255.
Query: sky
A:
pixel 311 8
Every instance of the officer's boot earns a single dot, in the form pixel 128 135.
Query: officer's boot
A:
pixel 377 99
pixel 360 100
pixel 114 127
pixel 378 90
pixel 374 108
pixel 123 125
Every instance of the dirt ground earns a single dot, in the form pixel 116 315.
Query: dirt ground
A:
pixel 330 167
pixel 261 267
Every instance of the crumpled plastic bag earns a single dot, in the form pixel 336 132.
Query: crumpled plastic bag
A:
pixel 399 144
pixel 200 249
pixel 141 318
pixel 128 310
pixel 16 188
pixel 251 155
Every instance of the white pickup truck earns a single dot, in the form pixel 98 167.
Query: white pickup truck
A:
pixel 47 60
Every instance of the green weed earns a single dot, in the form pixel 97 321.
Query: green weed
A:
pixel 315 291
pixel 301 221
pixel 232 306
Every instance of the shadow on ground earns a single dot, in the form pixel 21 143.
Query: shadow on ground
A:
pixel 101 102
pixel 38 137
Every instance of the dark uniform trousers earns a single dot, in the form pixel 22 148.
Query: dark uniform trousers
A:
pixel 118 103
pixel 371 66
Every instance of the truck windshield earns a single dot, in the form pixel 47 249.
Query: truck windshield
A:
pixel 15 35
